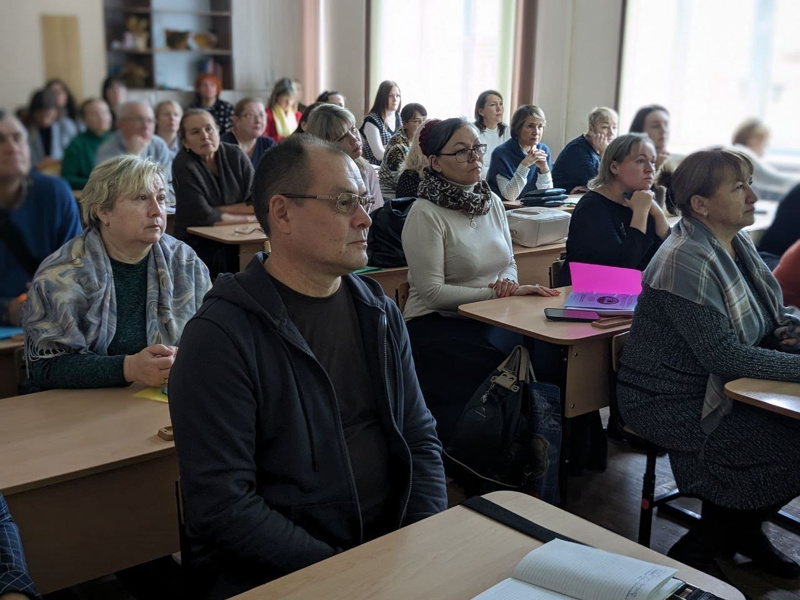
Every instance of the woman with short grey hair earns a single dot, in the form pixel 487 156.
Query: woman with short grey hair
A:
pixel 337 125
pixel 109 307
pixel 580 158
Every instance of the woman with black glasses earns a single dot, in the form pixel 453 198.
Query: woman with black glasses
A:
pixel 458 247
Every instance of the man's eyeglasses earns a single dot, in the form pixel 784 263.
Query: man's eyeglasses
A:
pixel 345 203
pixel 353 132
pixel 466 154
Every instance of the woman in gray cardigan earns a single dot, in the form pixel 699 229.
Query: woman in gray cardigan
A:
pixel 710 312
pixel 212 187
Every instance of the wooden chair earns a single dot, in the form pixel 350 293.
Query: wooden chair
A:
pixel 401 295
pixel 649 499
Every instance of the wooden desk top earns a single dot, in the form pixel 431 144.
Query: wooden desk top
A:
pixel 777 396
pixel 60 435
pixel 557 247
pixel 525 315
pixel 455 554
pixel 9 345
pixel 226 234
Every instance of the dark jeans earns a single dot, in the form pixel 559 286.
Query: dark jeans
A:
pixel 452 357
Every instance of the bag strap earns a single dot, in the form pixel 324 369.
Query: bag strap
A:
pixel 16 244
pixel 511 519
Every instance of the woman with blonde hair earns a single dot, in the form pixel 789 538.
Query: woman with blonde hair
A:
pixel 751 138
pixel 109 307
pixel 338 125
pixel 282 115
pixel 579 160
pixel 168 115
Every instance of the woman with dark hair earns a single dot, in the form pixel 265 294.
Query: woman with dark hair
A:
pixel 48 135
pixel 303 123
pixel 458 247
pixel 331 97
pixel 249 119
pixel 212 187
pixel 618 223
pixel 382 121
pixel 414 165
pixel 337 125
pixel 67 107
pixel 207 88
pixel 510 174
pixel 412 116
pixel 710 312
pixel 115 93
pixel 489 121
pixel 654 121
pixel 282 117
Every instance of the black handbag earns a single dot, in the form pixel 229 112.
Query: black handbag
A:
pixel 509 434
pixel 384 239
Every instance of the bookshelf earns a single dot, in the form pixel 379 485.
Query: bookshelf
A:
pixel 163 51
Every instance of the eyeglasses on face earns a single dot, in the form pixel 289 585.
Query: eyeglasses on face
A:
pixel 466 154
pixel 345 202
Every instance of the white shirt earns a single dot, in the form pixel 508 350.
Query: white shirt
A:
pixel 492 139
pixel 451 263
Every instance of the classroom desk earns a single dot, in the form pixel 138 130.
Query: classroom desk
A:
pixel 249 243
pixel 775 396
pixel 88 481
pixel 456 554
pixel 571 201
pixel 8 374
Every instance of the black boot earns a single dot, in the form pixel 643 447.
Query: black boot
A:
pixel 700 550
pixel 755 545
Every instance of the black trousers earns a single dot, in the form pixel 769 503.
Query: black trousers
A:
pixel 452 357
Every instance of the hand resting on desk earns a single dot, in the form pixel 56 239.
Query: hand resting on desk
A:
pixel 151 366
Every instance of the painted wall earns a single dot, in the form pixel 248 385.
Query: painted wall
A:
pixel 21 46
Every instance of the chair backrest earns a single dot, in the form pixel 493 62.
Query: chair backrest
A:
pixel 617 346
pixel 401 295
pixel 555 271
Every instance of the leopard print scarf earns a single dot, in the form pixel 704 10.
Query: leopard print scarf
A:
pixel 440 191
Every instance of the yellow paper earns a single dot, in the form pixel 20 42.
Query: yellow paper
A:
pixel 152 393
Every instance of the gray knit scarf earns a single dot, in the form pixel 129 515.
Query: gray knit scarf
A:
pixel 693 264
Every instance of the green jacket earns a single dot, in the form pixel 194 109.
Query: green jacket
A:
pixel 80 157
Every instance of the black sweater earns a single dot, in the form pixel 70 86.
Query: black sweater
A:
pixel 600 233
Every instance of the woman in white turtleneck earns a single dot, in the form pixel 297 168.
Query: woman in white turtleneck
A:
pixel 382 121
pixel 489 121
pixel 458 248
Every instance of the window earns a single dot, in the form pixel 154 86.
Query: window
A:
pixel 713 64
pixel 443 53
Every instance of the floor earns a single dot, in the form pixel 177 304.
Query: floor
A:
pixel 610 499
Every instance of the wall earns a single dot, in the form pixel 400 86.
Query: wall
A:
pixel 576 69
pixel 343 51
pixel 21 46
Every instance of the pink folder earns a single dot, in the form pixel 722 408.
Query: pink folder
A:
pixel 605 280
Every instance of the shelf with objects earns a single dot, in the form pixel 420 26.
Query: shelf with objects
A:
pixel 165 44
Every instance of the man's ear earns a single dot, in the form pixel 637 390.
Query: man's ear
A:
pixel 280 209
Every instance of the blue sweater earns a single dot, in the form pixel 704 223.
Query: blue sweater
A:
pixel 505 160
pixel 47 220
pixel 576 165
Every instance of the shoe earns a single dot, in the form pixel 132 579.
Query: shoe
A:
pixel 757 547
pixel 694 549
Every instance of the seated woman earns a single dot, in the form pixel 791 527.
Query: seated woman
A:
pixel 412 116
pixel 788 275
pixel 81 154
pixel 48 136
pixel 579 160
pixel 212 187
pixel 303 123
pixel 489 121
pixel 115 93
pixel 381 122
pixel 510 174
pixel 109 307
pixel 282 116
pixel 458 247
pixel 207 88
pixel 338 125
pixel 249 120
pixel 751 138
pixel 784 231
pixel 414 164
pixel 618 223
pixel 332 97
pixel 709 312
pixel 67 108
pixel 653 120
pixel 168 121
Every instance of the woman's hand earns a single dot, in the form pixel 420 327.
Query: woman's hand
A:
pixel 529 290
pixel 541 160
pixel 791 343
pixel 151 366
pixel 641 201
pixel 503 288
pixel 599 142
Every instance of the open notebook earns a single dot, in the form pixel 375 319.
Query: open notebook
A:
pixel 610 291
pixel 562 570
